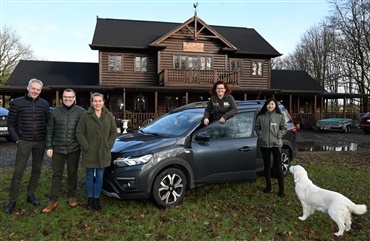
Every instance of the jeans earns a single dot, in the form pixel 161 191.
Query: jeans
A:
pixel 93 189
pixel 58 163
pixel 24 149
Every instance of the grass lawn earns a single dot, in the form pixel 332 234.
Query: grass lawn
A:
pixel 234 211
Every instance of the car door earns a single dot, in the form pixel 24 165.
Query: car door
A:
pixel 230 153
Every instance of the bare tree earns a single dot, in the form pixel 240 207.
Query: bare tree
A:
pixel 351 20
pixel 11 52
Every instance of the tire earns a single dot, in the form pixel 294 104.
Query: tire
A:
pixel 169 188
pixel 285 160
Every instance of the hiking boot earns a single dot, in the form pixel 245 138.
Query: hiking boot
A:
pixel 71 202
pixel 50 207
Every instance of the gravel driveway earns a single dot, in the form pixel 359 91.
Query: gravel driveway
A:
pixel 307 140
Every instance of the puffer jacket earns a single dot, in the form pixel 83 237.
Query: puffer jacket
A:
pixel 96 137
pixel 28 118
pixel 271 127
pixel 61 132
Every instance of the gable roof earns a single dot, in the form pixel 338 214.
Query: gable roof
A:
pixel 53 73
pixel 294 81
pixel 122 33
pixel 197 29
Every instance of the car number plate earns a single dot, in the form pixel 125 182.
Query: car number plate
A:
pixel 3 128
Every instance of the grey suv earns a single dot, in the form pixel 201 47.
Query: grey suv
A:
pixel 177 152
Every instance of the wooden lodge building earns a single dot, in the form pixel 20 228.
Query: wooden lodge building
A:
pixel 147 68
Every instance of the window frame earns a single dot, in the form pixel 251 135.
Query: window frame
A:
pixel 143 64
pixel 117 64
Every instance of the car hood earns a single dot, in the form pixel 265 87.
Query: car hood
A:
pixel 135 144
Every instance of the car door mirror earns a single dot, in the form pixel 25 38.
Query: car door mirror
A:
pixel 202 136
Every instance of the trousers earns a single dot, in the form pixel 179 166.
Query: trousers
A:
pixel 24 149
pixel 72 159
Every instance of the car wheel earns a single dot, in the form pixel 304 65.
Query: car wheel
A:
pixel 8 138
pixel 285 160
pixel 169 188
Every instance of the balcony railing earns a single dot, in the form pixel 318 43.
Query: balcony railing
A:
pixel 197 78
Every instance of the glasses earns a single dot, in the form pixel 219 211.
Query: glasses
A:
pixel 68 97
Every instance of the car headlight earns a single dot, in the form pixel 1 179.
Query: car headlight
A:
pixel 132 161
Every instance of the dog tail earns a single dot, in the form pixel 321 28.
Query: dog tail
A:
pixel 358 209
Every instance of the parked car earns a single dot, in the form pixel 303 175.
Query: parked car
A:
pixel 365 123
pixel 177 152
pixel 3 123
pixel 342 124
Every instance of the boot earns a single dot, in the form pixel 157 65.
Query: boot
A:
pixel 31 199
pixel 10 207
pixel 97 206
pixel 90 203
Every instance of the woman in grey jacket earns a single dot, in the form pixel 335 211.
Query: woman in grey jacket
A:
pixel 271 127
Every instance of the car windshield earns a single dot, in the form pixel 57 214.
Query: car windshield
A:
pixel 174 124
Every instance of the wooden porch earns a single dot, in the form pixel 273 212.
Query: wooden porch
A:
pixel 197 78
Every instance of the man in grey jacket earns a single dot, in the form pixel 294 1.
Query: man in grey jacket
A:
pixel 62 146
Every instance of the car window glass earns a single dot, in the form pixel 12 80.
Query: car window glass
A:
pixel 174 124
pixel 239 126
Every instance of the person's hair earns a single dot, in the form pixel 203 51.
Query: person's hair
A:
pixel 220 82
pixel 263 110
pixel 35 81
pixel 96 94
pixel 70 90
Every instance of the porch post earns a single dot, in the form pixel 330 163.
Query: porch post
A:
pixel 124 103
pixel 186 98
pixel 322 107
pixel 56 98
pixel 298 103
pixel 344 106
pixel 290 103
pixel 314 107
pixel 156 104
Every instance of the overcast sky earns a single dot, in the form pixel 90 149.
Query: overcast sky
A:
pixel 61 30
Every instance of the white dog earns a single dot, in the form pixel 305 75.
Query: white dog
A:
pixel 314 198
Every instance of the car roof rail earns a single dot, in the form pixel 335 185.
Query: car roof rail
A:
pixel 193 105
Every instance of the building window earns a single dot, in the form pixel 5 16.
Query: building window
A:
pixel 141 64
pixel 115 63
pixel 192 62
pixel 236 65
pixel 257 68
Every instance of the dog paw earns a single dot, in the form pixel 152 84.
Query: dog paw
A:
pixel 338 234
pixel 301 218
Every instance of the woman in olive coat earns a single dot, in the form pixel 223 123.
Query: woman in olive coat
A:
pixel 96 132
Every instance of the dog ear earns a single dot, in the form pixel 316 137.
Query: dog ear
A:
pixel 297 175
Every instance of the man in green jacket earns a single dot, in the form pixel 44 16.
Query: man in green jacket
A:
pixel 62 146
